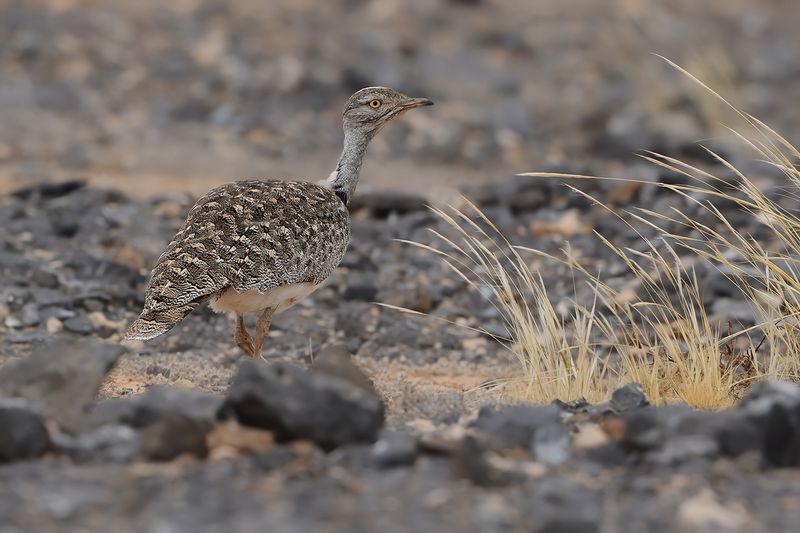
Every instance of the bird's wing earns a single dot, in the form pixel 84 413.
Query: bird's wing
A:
pixel 251 235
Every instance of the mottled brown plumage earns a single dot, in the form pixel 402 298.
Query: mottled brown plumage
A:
pixel 247 235
pixel 261 245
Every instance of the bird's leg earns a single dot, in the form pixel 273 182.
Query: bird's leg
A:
pixel 262 328
pixel 242 338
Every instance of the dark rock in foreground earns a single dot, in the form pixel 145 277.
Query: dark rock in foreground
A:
pixel 61 377
pixel 22 431
pixel 773 409
pixel 107 444
pixel 520 467
pixel 298 404
pixel 173 422
pixel 395 448
pixel 766 422
pixel 629 397
pixel 514 426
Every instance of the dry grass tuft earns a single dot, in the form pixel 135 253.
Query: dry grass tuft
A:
pixel 663 338
pixel 557 361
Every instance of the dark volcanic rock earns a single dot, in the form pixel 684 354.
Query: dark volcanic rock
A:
pixel 361 292
pixel 49 190
pixel 300 404
pixel 762 396
pixel 79 324
pixel 649 427
pixel 61 377
pixel 160 402
pixel 774 407
pixel 471 462
pixel 551 444
pixel 112 411
pixel 513 426
pixel 520 194
pixel 22 431
pixel 27 316
pixel 782 436
pixel 175 421
pixel 674 435
pixel 684 448
pixel 560 506
pixel 737 433
pixel 580 405
pixel 336 361
pixel 628 397
pixel 394 448
pixel 382 204
pixel 766 422
pixel 115 443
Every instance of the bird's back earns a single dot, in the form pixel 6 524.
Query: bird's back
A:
pixel 246 235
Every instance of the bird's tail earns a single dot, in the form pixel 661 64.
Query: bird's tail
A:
pixel 151 324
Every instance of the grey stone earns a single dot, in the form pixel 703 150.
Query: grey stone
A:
pixel 49 190
pixel 737 433
pixel 649 427
pixel 628 397
pixel 22 431
pixel 522 193
pixel 61 377
pixel 300 404
pixel 79 324
pixel 471 462
pixel 551 444
pixel 763 395
pixel 684 448
pixel 782 436
pixel 739 311
pixel 335 360
pixel 609 455
pixel 774 407
pixel 513 426
pixel 27 317
pixel 112 411
pixel 560 506
pixel 361 292
pixel 719 284
pixel 174 421
pixel 382 204
pixel 113 443
pixel 579 405
pixel 394 448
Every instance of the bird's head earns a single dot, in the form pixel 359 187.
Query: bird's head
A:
pixel 369 109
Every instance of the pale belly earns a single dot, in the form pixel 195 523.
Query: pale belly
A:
pixel 280 298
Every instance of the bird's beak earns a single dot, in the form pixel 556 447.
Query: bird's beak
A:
pixel 411 103
pixel 407 104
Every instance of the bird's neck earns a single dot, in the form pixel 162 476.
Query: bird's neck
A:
pixel 344 178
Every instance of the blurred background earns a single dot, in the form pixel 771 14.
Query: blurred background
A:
pixel 151 96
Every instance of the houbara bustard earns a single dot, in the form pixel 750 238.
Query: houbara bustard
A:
pixel 260 246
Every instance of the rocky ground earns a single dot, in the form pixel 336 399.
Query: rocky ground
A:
pixel 182 434
pixel 115 116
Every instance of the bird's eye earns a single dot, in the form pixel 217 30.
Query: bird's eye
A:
pixel 375 104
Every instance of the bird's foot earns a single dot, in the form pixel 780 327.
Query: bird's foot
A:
pixel 247 347
pixel 243 338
